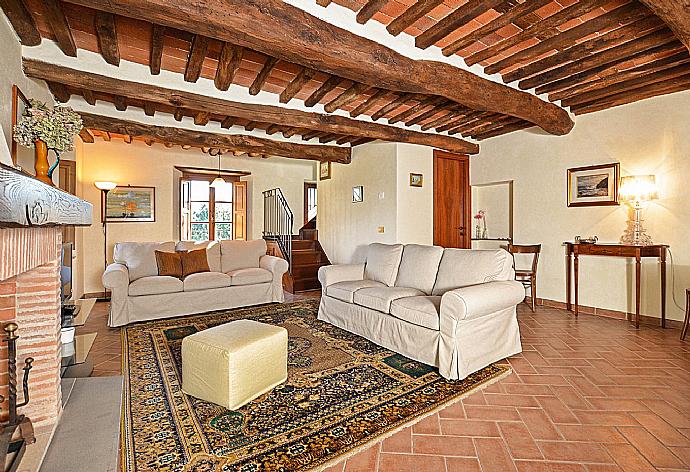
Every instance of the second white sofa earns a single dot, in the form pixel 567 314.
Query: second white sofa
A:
pixel 454 309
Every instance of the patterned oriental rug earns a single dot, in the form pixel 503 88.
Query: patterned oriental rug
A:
pixel 342 395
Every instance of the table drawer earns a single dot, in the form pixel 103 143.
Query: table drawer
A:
pixel 599 250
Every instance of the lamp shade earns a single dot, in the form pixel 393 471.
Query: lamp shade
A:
pixel 638 188
pixel 218 182
pixel 105 185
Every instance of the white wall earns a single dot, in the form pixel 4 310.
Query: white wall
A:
pixel 139 164
pixel 346 228
pixel 11 74
pixel 651 136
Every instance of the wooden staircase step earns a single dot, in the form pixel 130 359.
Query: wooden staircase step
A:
pixel 305 256
pixel 303 244
pixel 301 285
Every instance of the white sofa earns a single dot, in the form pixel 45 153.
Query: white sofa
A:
pixel 241 275
pixel 454 309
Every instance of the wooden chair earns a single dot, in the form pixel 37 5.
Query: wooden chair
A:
pixel 528 277
pixel 686 322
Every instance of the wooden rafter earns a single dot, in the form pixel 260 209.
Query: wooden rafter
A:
pixel 369 9
pixel 367 104
pixel 195 61
pixel 246 144
pixel 157 35
pixel 58 22
pixel 22 22
pixel 331 83
pixel 263 74
pixel 676 14
pixel 228 63
pixel 321 46
pixel 106 32
pixel 255 112
pixel 346 97
pixel 301 79
pixel 411 15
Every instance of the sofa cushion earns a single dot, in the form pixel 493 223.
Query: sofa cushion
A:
pixel 140 258
pixel 250 276
pixel 206 280
pixel 419 266
pixel 169 263
pixel 380 298
pixel 241 254
pixel 382 262
pixel 155 285
pixel 194 262
pixel 463 267
pixel 212 251
pixel 422 311
pixel 345 291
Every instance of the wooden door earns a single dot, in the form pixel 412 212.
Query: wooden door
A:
pixel 68 182
pixel 239 224
pixel 452 200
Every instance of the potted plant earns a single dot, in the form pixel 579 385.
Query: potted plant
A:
pixel 45 129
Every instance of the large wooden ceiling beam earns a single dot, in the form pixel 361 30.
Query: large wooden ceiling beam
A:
pixel 411 15
pixel 58 22
pixel 22 22
pixel 676 14
pixel 106 33
pixel 254 112
pixel 247 144
pixel 291 34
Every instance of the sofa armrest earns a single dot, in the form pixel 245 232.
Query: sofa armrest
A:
pixel 115 277
pixel 332 274
pixel 275 265
pixel 480 300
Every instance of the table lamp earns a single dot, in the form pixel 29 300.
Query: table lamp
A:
pixel 636 190
pixel 105 187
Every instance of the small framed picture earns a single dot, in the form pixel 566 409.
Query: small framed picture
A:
pixel 130 204
pixel 19 105
pixel 416 180
pixel 324 170
pixel 357 194
pixel 593 185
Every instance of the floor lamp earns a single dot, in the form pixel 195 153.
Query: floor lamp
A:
pixel 105 187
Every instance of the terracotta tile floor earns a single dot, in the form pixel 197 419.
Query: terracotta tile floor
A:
pixel 591 395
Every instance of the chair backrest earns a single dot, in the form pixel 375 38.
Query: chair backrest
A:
pixel 534 249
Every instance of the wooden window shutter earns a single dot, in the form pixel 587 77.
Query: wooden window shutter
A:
pixel 239 197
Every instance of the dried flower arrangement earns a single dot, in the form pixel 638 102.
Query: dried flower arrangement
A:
pixel 55 128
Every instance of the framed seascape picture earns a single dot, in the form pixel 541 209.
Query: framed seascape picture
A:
pixel 593 185
pixel 324 170
pixel 130 204
pixel 416 180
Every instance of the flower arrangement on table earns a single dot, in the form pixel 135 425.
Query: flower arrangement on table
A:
pixel 480 218
pixel 45 129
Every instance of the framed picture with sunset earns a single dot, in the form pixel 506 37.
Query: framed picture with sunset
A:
pixel 595 185
pixel 130 205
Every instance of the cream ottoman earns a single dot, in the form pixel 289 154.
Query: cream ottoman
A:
pixel 234 363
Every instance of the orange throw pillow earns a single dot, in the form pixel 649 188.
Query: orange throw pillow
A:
pixel 169 263
pixel 194 262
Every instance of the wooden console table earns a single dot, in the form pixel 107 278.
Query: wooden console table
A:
pixel 574 250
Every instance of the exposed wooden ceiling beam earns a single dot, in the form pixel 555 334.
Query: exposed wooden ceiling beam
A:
pixel 346 97
pixel 330 83
pixel 419 107
pixel 86 135
pixel 120 103
pixel 264 113
pixel 59 91
pixel 106 33
pixel 389 107
pixel 195 60
pixel 460 17
pixel 157 35
pixel 58 22
pixel 676 14
pixel 368 103
pixel 578 51
pixel 228 122
pixel 201 118
pixel 22 22
pixel 88 96
pixel 519 10
pixel 263 74
pixel 543 29
pixel 411 15
pixel 181 136
pixel 622 15
pixel 296 84
pixel 369 9
pixel 149 109
pixel 292 34
pixel 228 63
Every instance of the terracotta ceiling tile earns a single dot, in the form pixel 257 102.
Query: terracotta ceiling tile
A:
pixel 593 14
pixel 507 31
pixel 393 10
pixel 567 3
pixel 614 4
pixel 548 10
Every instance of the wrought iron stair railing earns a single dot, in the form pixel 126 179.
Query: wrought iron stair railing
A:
pixel 278 220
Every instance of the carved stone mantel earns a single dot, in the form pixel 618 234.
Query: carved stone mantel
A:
pixel 26 201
